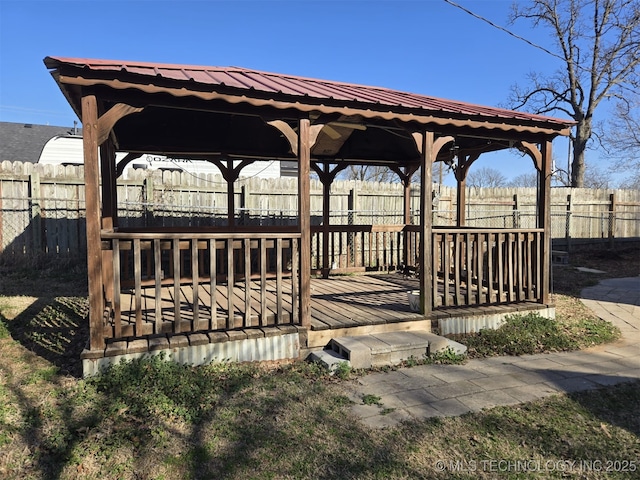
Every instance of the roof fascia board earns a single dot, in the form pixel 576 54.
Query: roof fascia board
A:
pixel 306 108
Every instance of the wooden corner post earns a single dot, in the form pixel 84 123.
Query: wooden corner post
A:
pixel 544 209
pixel 426 215
pixel 304 219
pixel 90 144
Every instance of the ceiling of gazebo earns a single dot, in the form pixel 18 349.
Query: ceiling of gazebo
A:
pixel 210 111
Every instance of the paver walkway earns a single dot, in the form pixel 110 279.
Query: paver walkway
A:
pixel 449 390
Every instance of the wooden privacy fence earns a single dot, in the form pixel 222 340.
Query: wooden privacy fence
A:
pixel 42 211
pixel 159 283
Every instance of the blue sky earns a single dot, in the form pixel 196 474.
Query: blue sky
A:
pixel 423 46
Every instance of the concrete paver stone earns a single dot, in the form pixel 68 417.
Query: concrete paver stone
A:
pixel 449 390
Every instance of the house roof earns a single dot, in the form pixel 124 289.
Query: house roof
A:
pixel 23 142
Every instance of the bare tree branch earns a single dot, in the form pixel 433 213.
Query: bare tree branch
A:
pixel 599 41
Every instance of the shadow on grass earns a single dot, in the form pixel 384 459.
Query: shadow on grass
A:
pixel 55 329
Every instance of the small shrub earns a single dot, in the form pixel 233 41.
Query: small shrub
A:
pixel 447 356
pixel 369 399
pixel 343 370
pixel 520 335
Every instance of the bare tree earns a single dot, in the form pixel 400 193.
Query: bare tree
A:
pixel 369 173
pixel 599 43
pixel 485 177
pixel 622 141
pixel 524 180
pixel 594 177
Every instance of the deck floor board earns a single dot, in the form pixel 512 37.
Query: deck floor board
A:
pixel 336 302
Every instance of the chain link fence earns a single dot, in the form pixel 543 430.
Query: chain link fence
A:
pixel 46 217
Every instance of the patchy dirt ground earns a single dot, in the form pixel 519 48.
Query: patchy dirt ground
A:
pixel 618 263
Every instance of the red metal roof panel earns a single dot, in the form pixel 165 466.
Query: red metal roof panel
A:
pixel 241 78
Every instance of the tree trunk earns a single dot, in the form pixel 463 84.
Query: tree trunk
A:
pixel 583 133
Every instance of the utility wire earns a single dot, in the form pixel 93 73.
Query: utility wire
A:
pixel 479 17
pixel 475 15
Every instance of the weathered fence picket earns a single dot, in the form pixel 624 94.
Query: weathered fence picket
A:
pixel 42 212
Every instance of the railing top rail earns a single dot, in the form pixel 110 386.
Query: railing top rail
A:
pixel 446 230
pixel 359 228
pixel 196 235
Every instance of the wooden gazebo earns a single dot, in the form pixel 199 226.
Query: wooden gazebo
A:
pixel 191 289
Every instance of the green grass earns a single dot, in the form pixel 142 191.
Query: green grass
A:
pixel 158 420
pixel 155 419
pixel 531 333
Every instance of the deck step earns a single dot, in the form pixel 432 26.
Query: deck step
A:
pixel 329 359
pixel 375 350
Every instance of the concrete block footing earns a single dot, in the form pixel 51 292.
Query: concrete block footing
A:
pixel 328 359
pixel 376 350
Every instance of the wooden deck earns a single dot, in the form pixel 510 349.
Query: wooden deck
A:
pixel 336 302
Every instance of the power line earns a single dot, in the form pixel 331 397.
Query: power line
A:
pixel 475 15
pixel 555 55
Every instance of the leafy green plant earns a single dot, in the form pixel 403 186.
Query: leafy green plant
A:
pixel 369 399
pixel 532 333
pixel 343 370
pixel 411 362
pixel 447 356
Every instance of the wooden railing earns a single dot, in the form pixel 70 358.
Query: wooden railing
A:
pixel 359 248
pixel 486 266
pixel 157 283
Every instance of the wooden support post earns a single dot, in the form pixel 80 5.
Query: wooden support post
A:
pixel 544 219
pixel 426 218
pixel 461 202
pixel 406 255
pixel 304 219
pixel 92 189
pixel 326 180
pixel 109 218
pixel 231 201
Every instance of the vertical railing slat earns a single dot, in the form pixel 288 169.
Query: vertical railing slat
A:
pixel 538 264
pixel 195 284
pixel 230 282
pixel 295 263
pixel 279 280
pixel 490 272
pixel 175 253
pixel 157 262
pixel 247 282
pixel 117 305
pixel 468 259
pixel 213 284
pixel 519 267
pixel 529 266
pixel 446 268
pixel 263 282
pixel 457 267
pixel 437 244
pixel 510 286
pixel 137 275
pixel 500 254
pixel 480 249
